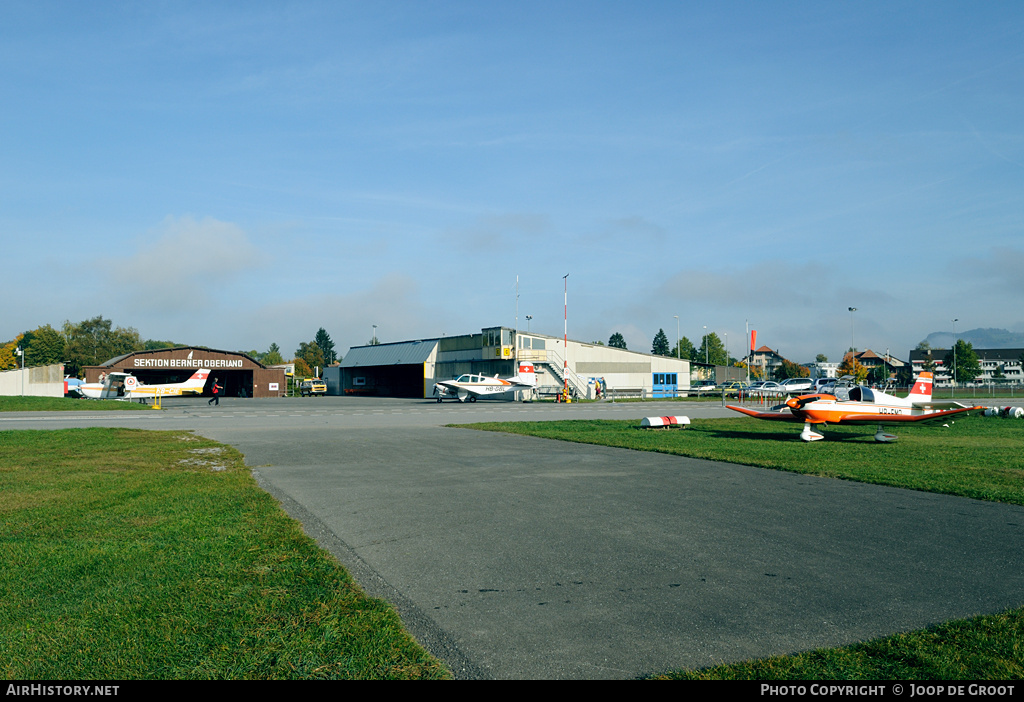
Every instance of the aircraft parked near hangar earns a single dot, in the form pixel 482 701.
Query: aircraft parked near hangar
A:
pixel 849 403
pixel 125 386
pixel 470 386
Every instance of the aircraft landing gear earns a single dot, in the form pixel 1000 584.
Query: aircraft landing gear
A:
pixel 810 435
pixel 883 437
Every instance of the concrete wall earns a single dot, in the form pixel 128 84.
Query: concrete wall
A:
pixel 42 381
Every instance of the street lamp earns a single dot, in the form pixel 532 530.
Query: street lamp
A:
pixel 529 317
pixel 21 352
pixel 954 357
pixel 679 353
pixel 705 344
pixel 853 346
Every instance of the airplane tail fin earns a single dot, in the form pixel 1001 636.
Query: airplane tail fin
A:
pixel 527 374
pixel 198 379
pixel 922 389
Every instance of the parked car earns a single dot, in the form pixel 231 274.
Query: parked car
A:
pixel 703 387
pixel 769 388
pixel 312 386
pixel 735 387
pixel 798 386
pixel 821 384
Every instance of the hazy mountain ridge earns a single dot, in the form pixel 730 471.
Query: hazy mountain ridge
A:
pixel 979 339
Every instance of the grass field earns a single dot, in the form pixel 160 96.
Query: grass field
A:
pixel 131 555
pixel 974 457
pixel 65 404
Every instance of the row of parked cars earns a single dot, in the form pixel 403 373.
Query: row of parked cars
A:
pixel 764 388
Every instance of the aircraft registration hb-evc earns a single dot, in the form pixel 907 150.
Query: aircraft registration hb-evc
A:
pixel 125 386
pixel 470 386
pixel 849 403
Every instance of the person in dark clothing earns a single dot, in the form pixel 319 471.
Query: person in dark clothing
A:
pixel 216 393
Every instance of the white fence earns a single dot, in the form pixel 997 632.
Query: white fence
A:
pixel 42 381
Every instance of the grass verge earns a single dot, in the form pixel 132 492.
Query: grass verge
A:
pixel 134 555
pixel 65 404
pixel 978 457
pixel 983 648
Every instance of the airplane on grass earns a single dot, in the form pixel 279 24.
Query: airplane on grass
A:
pixel 470 386
pixel 125 386
pixel 849 403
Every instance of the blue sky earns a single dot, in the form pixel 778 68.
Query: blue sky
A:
pixel 237 174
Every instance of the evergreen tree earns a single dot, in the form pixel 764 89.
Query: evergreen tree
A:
pixel 661 347
pixel 323 340
pixel 272 357
pixel 616 341
pixel 713 350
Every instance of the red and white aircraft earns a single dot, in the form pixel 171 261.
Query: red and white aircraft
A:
pixel 125 386
pixel 469 387
pixel 849 403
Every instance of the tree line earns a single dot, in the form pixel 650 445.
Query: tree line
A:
pixel 96 340
pixel 711 348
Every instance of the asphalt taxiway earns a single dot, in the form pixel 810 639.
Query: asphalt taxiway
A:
pixel 517 557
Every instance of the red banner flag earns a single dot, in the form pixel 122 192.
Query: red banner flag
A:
pixel 753 339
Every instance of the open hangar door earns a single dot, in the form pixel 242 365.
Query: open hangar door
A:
pixel 385 381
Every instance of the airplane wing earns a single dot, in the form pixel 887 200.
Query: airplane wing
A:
pixel 780 416
pixel 902 418
pixel 944 404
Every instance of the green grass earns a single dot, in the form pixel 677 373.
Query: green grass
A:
pixel 975 457
pixel 979 457
pixel 64 404
pixel 130 555
pixel 984 648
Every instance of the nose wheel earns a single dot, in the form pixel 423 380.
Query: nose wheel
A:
pixel 808 434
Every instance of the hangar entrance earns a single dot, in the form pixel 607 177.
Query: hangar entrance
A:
pixel 389 381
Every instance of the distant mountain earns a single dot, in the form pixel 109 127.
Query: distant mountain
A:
pixel 979 339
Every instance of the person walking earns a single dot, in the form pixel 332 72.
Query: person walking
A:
pixel 216 393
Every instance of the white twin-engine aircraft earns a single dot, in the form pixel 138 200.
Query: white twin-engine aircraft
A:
pixel 125 386
pixel 469 387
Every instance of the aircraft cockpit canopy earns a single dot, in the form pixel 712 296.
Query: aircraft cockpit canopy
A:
pixel 846 388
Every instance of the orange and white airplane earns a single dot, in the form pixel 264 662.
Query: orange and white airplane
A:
pixel 849 403
pixel 470 386
pixel 125 386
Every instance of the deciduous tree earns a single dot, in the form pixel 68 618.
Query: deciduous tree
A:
pixel 311 354
pixel 685 349
pixel 93 341
pixel 966 366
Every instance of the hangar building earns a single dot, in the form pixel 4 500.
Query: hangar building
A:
pixel 239 374
pixel 410 368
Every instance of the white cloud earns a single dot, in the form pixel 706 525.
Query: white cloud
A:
pixel 182 262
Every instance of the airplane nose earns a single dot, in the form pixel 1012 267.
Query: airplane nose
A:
pixel 793 403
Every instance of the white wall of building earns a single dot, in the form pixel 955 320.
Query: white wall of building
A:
pixel 42 381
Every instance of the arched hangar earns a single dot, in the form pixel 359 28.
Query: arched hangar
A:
pixel 239 374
